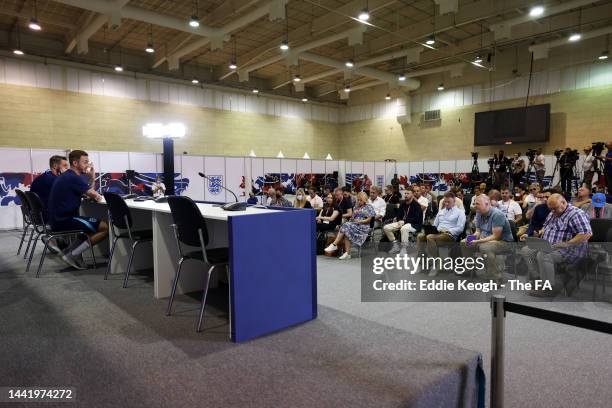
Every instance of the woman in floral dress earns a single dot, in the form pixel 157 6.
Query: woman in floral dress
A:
pixel 355 230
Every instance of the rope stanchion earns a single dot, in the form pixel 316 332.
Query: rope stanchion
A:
pixel 499 307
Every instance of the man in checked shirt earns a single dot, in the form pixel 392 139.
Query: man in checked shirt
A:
pixel 567 228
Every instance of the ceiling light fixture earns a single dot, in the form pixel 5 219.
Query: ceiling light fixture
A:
pixel 297 78
pixel 575 37
pixel 441 87
pixel 18 52
pixel 347 88
pixel 350 63
pixel 150 48
pixel 401 77
pixel 388 97
pixel 284 45
pixel 304 99
pixel 232 65
pixel 364 15
pixel 255 91
pixel 430 40
pixel 536 11
pixel 34 25
pixel 478 59
pixel 603 56
pixel 118 68
pixel 195 81
pixel 194 22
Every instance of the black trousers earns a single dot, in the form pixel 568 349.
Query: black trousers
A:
pixel 566 180
pixel 517 178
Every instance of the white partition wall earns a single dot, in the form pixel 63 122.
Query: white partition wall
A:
pixel 190 166
pixel 239 174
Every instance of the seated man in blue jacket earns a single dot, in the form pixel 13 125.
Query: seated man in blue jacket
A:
pixel 409 220
pixel 43 183
pixel 450 223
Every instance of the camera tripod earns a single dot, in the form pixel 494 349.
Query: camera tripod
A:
pixel 574 179
pixel 530 170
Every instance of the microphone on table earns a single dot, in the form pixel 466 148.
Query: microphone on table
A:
pixel 222 186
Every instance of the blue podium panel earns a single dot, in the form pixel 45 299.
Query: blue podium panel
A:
pixel 273 271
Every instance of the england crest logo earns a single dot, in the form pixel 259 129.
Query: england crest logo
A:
pixel 214 184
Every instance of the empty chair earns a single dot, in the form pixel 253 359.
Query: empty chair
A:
pixel 190 229
pixel 27 223
pixel 120 218
pixel 44 233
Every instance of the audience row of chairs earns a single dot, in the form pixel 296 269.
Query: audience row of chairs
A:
pixel 189 230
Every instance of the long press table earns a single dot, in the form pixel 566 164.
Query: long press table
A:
pixel 273 272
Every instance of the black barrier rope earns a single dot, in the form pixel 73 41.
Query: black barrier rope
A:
pixel 571 320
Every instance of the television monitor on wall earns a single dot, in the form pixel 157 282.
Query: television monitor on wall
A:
pixel 529 124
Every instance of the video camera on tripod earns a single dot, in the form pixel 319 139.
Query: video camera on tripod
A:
pixel 531 154
pixel 598 148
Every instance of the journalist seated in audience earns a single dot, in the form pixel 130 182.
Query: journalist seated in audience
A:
pixel 418 196
pixel 567 229
pixel 279 200
pixel 391 196
pixel 583 197
pixel 530 200
pixel 598 208
pixel 355 231
pixel 380 206
pixel 458 193
pixel 536 216
pixel 252 199
pixel 494 197
pixel 477 192
pixel 344 203
pixel 409 220
pixel 300 199
pixel 510 208
pixel 450 222
pixel 427 192
pixel 43 183
pixel 492 236
pixel 316 202
pixel 329 217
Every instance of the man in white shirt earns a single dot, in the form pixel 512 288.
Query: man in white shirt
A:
pixel 530 199
pixel 315 201
pixel 380 206
pixel 423 201
pixel 588 166
pixel 540 167
pixel 450 222
pixel 271 196
pixel 511 209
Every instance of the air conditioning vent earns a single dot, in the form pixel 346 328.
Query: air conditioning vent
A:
pixel 432 115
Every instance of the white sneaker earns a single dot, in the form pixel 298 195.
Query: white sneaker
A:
pixel 345 255
pixel 331 248
pixel 432 273
pixel 395 248
pixel 403 251
pixel 73 261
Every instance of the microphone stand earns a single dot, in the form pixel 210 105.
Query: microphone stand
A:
pixel 222 186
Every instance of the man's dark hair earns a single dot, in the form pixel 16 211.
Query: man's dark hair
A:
pixel 76 155
pixel 505 188
pixel 55 159
pixel 549 190
pixel 449 194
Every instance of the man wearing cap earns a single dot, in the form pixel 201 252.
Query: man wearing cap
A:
pixel 598 208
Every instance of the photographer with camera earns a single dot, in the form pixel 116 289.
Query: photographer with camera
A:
pixel 518 170
pixel 567 161
pixel 540 167
pixel 588 166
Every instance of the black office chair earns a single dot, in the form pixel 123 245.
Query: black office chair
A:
pixel 599 254
pixel 44 233
pixel 121 223
pixel 27 223
pixel 190 229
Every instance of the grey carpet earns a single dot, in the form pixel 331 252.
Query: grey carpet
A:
pixel 116 347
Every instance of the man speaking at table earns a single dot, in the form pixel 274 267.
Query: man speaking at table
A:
pixel 64 204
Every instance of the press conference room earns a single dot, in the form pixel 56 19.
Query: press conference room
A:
pixel 366 203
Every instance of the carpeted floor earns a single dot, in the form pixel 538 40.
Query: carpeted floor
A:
pixel 117 347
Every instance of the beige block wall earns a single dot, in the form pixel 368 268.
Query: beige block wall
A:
pixel 577 118
pixel 44 118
